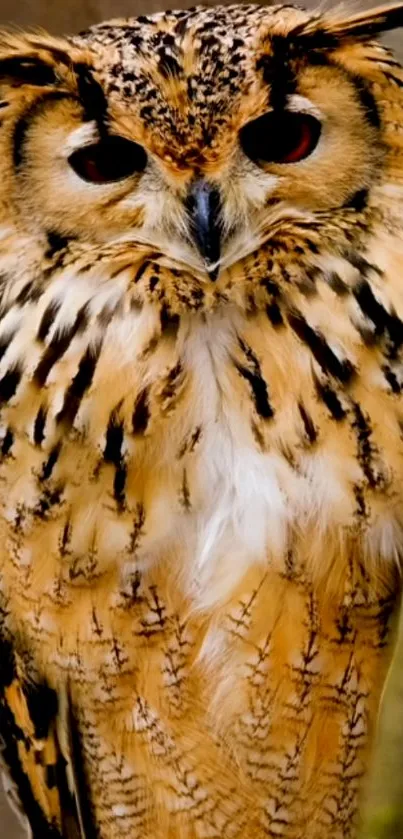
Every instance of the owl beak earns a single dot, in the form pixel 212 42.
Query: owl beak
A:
pixel 204 211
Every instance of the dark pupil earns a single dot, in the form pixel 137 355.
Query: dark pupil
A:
pixel 112 159
pixel 285 137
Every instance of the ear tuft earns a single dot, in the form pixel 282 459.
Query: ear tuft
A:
pixel 33 58
pixel 24 69
pixel 362 26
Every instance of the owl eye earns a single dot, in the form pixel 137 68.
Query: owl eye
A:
pixel 112 159
pixel 285 137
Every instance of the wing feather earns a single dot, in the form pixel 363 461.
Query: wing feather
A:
pixel 39 770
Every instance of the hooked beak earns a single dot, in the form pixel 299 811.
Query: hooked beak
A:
pixel 204 209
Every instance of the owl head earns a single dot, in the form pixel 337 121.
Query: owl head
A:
pixel 200 136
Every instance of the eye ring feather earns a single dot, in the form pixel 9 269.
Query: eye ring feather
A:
pixel 109 160
pixel 280 137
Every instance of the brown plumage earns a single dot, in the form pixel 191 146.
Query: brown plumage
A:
pixel 201 450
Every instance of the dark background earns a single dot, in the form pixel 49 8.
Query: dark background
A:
pixel 385 796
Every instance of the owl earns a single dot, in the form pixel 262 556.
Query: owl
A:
pixel 201 420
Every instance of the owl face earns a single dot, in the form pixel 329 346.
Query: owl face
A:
pixel 198 134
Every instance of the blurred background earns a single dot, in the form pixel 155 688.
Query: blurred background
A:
pixel 384 809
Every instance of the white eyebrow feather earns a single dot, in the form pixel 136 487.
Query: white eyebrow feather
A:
pixel 84 135
pixel 296 102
